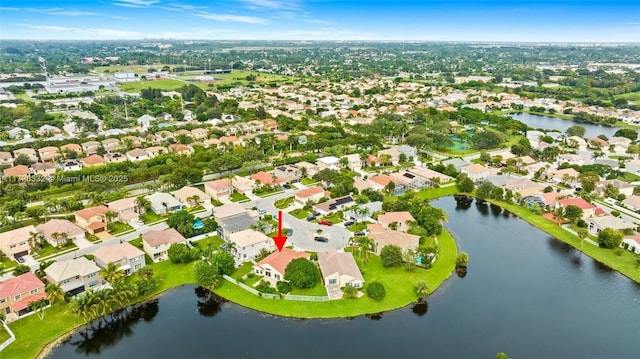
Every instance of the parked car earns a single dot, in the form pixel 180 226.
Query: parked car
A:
pixel 359 234
pixel 311 218
pixel 20 260
pixel 289 232
pixel 261 212
pixel 325 223
pixel 321 239
pixel 286 186
pixel 349 223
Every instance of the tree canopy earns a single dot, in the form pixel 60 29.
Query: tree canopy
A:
pixel 302 273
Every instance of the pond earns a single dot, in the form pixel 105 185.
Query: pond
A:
pixel 552 123
pixel 524 293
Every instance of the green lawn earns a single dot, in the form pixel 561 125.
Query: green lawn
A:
pixel 358 227
pixel 433 193
pixel 308 181
pixel 204 243
pixel 629 177
pixel 626 263
pixel 397 281
pixel 136 242
pixel 119 228
pixel 283 203
pixel 164 84
pixel 4 335
pixel 300 213
pixel 238 197
pixel 268 193
pixel 334 218
pixel 50 250
pixel 244 269
pixel 150 217
pixel 318 290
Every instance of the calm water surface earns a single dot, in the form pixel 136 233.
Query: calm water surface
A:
pixel 552 123
pixel 525 294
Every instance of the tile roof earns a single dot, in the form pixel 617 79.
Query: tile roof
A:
pixel 164 236
pixel 280 260
pixel 18 285
pixel 117 252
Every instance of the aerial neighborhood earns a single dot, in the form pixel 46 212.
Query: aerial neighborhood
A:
pixel 115 185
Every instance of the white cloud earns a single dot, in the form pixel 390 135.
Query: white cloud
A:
pixel 98 32
pixel 230 18
pixel 135 3
pixel 62 12
pixel 271 4
pixel 2 8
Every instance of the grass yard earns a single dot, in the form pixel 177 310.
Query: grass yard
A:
pixel 164 84
pixel 308 181
pixel 629 177
pixel 334 218
pixel 625 263
pixel 116 228
pixel 204 243
pixel 318 290
pixel 300 213
pixel 397 281
pixel 283 203
pixel 136 242
pixel 4 335
pixel 150 217
pixel 433 193
pixel 238 197
pixel 358 227
pixel 244 269
pixel 49 250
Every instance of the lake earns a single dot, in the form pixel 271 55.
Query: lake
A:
pixel 552 123
pixel 525 293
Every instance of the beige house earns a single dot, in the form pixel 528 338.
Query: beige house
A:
pixel 383 237
pixel 219 189
pixel 242 184
pixel 46 169
pixel 127 209
pixel 272 267
pixel 49 153
pixel 6 159
pixel 92 219
pixel 126 256
pixel 339 270
pixel 53 229
pixel 16 293
pixel 192 197
pixel 476 172
pixel 15 243
pixel 227 210
pixel 74 276
pixel 249 243
pixel 400 219
pixel 93 160
pixel 156 243
pixel 29 152
pixel 394 155
pixel 137 154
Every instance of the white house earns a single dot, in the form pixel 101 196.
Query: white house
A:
pixel 329 162
pixel 339 270
pixel 248 244
pixel 162 203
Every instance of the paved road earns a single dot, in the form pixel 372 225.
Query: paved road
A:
pixel 303 231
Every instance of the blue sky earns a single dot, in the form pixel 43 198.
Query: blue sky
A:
pixel 428 20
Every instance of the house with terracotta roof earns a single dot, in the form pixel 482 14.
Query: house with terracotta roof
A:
pixel 248 244
pixel 137 155
pixel 265 178
pixel 180 149
pixel 156 243
pixel 124 255
pixel 127 209
pixel 230 140
pixel 400 219
pixel 74 276
pixel 270 124
pixel 29 152
pixel 15 243
pixel 6 159
pixel 187 195
pixel 339 270
pixel 18 292
pixel 93 160
pixel 219 189
pixel 383 237
pixel 588 210
pixel 311 194
pixel 272 267
pixel 372 161
pixel 20 171
pixel 52 231
pixel 92 219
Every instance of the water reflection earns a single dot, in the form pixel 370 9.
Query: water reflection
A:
pixel 482 207
pixel 463 202
pixel 420 307
pixel 375 316
pixel 108 331
pixel 601 267
pixel 209 304
pixel 495 210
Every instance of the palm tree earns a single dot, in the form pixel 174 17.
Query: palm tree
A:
pixel 366 244
pixel 38 307
pixel 55 293
pixel 558 214
pixel 582 234
pixel 195 200
pixel 112 273
pixel 143 204
pixel 35 238
pixel 97 198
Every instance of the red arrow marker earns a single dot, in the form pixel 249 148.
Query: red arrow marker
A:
pixel 280 239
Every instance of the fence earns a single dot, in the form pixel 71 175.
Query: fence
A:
pixel 12 337
pixel 306 298
pixel 251 290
